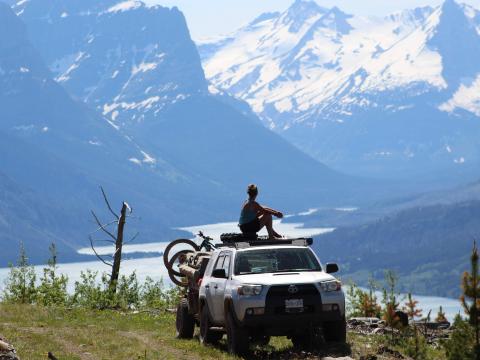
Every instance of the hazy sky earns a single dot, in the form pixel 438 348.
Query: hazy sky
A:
pixel 208 18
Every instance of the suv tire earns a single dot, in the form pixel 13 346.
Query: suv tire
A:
pixel 335 331
pixel 185 322
pixel 206 335
pixel 237 336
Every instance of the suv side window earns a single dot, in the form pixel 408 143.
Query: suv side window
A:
pixel 220 260
pixel 226 263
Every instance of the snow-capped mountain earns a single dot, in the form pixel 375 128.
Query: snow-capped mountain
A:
pixel 124 58
pixel 90 96
pixel 377 96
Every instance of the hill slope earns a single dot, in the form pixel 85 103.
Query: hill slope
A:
pixel 427 246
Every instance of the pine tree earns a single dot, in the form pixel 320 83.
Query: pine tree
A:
pixel 441 318
pixel 411 308
pixel 368 301
pixel 20 285
pixel 53 287
pixel 390 301
pixel 470 298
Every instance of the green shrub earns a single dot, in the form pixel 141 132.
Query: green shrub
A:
pixel 53 287
pixel 128 292
pixel 153 294
pixel 461 344
pixel 92 294
pixel 20 284
pixel 415 346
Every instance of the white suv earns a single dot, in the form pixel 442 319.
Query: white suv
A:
pixel 254 291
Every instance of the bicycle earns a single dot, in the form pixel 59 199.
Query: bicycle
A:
pixel 207 245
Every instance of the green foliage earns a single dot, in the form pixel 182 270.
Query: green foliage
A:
pixel 411 308
pixel 471 288
pixel 90 293
pixel 153 294
pixel 461 344
pixel 128 294
pixel 390 300
pixel 363 303
pixel 53 287
pixel 415 346
pixel 20 284
pixel 97 294
pixel 441 316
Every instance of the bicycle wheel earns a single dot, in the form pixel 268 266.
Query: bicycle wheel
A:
pixel 182 280
pixel 170 246
pixel 174 259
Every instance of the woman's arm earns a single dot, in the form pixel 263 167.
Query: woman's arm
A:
pixel 267 210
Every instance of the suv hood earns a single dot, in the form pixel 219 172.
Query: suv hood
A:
pixel 284 278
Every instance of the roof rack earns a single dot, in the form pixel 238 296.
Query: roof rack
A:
pixel 241 241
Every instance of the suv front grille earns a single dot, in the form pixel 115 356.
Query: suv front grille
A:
pixel 278 294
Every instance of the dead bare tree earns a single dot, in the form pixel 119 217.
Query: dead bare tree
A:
pixel 116 239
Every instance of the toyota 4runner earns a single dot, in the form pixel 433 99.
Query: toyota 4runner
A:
pixel 254 290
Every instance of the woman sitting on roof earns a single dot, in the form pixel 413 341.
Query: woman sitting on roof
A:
pixel 254 216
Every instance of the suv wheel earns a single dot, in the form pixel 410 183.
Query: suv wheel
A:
pixel 206 335
pixel 185 322
pixel 335 331
pixel 237 336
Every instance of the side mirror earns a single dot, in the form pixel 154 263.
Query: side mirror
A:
pixel 219 274
pixel 331 268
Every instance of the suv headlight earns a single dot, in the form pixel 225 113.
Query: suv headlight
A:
pixel 329 286
pixel 249 290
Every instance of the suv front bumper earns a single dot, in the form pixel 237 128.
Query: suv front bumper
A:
pixel 284 324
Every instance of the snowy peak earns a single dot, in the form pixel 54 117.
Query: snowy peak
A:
pixel 126 59
pixel 311 73
pixel 300 12
pixel 456 39
pixel 335 20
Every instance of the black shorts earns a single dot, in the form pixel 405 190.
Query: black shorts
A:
pixel 251 227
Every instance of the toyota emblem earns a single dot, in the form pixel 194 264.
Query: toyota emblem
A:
pixel 292 289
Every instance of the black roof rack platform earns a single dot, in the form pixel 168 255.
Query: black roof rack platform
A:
pixel 246 240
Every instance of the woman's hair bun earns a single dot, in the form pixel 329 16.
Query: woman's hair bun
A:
pixel 252 190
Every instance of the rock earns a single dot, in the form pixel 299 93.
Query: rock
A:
pixel 368 357
pixel 7 351
pixel 402 317
pixel 338 358
pixel 383 350
pixel 4 347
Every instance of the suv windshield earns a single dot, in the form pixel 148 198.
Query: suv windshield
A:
pixel 275 260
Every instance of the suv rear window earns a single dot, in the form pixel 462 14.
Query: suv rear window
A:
pixel 275 261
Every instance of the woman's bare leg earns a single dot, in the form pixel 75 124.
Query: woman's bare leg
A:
pixel 266 220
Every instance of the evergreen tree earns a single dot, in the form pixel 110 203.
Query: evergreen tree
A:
pixel 390 300
pixel 368 301
pixel 20 284
pixel 411 308
pixel 470 298
pixel 441 316
pixel 53 287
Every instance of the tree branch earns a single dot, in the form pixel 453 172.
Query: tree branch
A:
pixel 108 204
pixel 102 227
pixel 133 238
pixel 96 254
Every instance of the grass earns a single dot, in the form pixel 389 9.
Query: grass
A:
pixel 81 334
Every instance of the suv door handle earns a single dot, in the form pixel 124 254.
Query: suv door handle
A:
pixel 216 286
pixel 207 286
